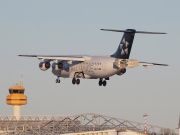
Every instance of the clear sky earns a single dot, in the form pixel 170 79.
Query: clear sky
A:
pixel 73 27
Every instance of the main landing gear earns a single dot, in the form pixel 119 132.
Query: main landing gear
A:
pixel 57 80
pixel 101 82
pixel 75 81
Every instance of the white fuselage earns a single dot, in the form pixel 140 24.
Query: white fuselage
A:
pixel 94 67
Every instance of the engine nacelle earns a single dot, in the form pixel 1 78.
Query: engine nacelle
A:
pixel 132 63
pixel 60 65
pixel 57 66
pixel 120 64
pixel 44 65
pixel 121 71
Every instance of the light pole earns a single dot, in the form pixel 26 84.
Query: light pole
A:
pixel 94 122
pixel 145 128
pixel 179 125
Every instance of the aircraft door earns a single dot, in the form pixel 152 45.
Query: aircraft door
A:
pixel 104 65
pixel 89 67
pixel 85 67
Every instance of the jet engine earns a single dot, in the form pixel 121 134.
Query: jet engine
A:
pixel 121 71
pixel 44 65
pixel 60 65
pixel 57 66
pixel 132 63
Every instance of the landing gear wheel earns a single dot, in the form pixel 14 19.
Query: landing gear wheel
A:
pixel 73 81
pixel 104 83
pixel 58 81
pixel 100 82
pixel 77 81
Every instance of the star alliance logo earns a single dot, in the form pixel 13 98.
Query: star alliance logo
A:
pixel 124 47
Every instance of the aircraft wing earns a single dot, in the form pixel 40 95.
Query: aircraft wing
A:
pixel 146 64
pixel 57 57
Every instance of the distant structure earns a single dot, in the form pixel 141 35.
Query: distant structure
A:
pixel 145 128
pixel 179 125
pixel 81 124
pixel 16 98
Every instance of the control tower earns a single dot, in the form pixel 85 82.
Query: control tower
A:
pixel 16 98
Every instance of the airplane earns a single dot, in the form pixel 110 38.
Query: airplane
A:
pixel 95 67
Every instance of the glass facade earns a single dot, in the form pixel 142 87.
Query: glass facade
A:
pixel 16 91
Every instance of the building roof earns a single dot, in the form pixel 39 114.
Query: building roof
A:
pixel 17 87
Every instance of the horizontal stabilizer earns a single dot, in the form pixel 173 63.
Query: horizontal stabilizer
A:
pixel 133 31
pixel 151 64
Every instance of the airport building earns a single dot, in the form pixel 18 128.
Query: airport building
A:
pixel 83 124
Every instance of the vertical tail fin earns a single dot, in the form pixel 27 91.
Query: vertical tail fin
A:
pixel 124 48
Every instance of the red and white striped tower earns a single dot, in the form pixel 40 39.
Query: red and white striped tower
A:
pixel 179 125
pixel 145 128
pixel 94 122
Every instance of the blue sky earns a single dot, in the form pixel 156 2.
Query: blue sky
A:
pixel 73 27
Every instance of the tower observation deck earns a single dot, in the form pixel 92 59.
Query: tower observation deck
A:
pixel 16 98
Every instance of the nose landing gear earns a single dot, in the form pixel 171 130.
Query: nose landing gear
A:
pixel 57 80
